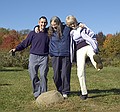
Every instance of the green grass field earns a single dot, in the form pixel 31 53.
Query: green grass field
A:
pixel 103 88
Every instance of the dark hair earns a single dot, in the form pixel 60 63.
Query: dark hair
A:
pixel 43 18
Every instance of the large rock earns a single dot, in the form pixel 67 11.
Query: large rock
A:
pixel 48 98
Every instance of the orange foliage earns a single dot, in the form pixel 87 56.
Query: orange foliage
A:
pixel 10 40
pixel 109 35
pixel 111 45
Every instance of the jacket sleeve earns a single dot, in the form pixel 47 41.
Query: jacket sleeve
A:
pixel 90 41
pixel 25 43
pixel 76 35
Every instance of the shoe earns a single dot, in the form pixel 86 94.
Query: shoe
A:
pixel 36 97
pixel 65 96
pixel 84 97
pixel 98 60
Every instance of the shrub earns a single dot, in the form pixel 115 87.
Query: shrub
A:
pixel 19 60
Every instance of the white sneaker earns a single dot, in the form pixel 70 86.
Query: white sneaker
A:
pixel 98 69
pixel 65 96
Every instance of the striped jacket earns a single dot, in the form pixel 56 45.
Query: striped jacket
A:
pixel 83 34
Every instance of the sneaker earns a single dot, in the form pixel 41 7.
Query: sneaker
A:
pixel 98 60
pixel 65 96
pixel 84 97
pixel 36 98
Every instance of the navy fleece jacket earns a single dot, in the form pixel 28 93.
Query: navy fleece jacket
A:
pixel 38 42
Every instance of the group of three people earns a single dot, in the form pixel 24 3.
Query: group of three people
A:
pixel 60 41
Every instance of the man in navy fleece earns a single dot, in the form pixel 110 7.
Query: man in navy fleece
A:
pixel 38 59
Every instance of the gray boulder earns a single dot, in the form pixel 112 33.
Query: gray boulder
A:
pixel 50 97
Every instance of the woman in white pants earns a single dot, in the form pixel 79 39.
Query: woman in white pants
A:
pixel 86 46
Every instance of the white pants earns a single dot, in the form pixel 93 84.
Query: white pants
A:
pixel 82 53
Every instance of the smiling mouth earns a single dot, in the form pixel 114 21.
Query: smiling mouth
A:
pixel 55 28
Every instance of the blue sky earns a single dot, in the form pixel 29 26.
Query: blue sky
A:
pixel 99 15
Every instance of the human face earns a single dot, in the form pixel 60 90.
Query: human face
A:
pixel 72 24
pixel 54 25
pixel 42 23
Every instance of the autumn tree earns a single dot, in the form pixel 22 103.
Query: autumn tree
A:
pixel 111 45
pixel 3 31
pixel 10 40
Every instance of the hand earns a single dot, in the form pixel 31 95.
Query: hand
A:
pixel 12 51
pixel 81 25
pixel 36 30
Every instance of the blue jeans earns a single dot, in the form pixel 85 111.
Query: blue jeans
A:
pixel 36 62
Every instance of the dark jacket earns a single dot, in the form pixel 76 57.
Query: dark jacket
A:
pixel 38 42
pixel 60 46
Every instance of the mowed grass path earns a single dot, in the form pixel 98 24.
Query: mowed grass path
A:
pixel 103 88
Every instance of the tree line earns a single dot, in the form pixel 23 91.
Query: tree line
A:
pixel 108 45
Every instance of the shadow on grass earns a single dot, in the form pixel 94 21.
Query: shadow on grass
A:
pixel 10 70
pixel 5 85
pixel 114 90
pixel 100 93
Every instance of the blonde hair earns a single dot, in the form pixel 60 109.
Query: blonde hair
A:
pixel 71 19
